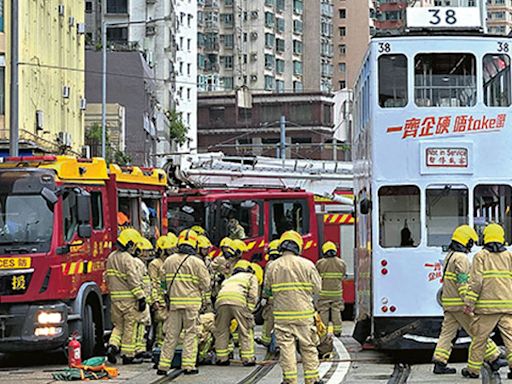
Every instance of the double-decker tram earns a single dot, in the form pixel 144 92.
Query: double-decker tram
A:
pixel 432 150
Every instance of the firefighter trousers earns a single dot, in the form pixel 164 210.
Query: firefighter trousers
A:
pixel 179 320
pixel 159 316
pixel 333 308
pixel 286 336
pixel 225 314
pixel 482 327
pixel 124 334
pixel 268 324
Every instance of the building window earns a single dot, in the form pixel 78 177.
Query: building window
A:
pixel 297 47
pixel 297 26
pixel 342 49
pixel 280 5
pixel 117 34
pixel 342 84
pixel 228 40
pixel 227 61
pixel 297 68
pixel 342 67
pixel 298 7
pixel 298 86
pixel 279 66
pixel 343 13
pixel 280 44
pixel 117 6
pixel 280 25
pixel 269 40
pixel 269 61
pixel 279 86
pixel 342 31
pixel 269 83
pixel 228 83
pixel 88 7
pixel 227 19
pixel 269 20
pixel 497 81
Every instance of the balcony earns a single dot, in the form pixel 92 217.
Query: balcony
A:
pixel 395 6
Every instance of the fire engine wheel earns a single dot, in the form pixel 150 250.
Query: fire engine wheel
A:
pixel 88 333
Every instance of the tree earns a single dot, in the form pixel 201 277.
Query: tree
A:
pixel 177 128
pixel 93 136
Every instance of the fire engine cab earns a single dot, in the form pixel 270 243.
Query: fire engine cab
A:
pixel 58 223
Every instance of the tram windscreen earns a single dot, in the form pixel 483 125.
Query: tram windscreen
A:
pixel 445 80
pixel 446 209
pixel 392 81
pixel 492 204
pixel 399 216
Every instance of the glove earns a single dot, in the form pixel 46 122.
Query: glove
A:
pixel 167 301
pixel 263 302
pixel 142 304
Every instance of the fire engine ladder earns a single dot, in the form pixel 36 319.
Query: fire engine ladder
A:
pixel 215 170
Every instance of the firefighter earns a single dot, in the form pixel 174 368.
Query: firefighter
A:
pixel 236 301
pixel 455 284
pixel 165 246
pixel 222 265
pixel 142 253
pixel 127 296
pixel 268 318
pixel 489 300
pixel 332 270
pixel 198 229
pixel 204 247
pixel 292 281
pixel 187 279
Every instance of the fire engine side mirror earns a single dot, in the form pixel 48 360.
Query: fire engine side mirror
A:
pixel 49 196
pixel 83 203
pixel 365 206
pixel 84 231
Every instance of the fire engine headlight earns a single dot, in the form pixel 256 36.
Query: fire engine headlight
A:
pixel 48 331
pixel 49 318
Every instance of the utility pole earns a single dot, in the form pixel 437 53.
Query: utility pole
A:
pixel 14 123
pixel 282 127
pixel 104 82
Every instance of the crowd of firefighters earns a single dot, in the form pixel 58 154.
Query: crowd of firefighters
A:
pixel 207 306
pixel 476 297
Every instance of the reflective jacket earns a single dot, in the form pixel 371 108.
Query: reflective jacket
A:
pixel 455 281
pixel 157 291
pixel 123 279
pixel 292 281
pixel 332 271
pixel 224 266
pixel 190 284
pixel 240 290
pixel 490 283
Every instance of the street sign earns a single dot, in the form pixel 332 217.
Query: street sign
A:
pixel 444 17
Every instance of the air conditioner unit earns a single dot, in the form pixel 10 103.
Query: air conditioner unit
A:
pixel 66 91
pixel 80 28
pixel 83 103
pixel 86 152
pixel 254 15
pixel 254 56
pixel 254 78
pixel 150 30
pixel 39 120
pixel 71 21
pixel 61 9
pixel 254 35
pixel 64 139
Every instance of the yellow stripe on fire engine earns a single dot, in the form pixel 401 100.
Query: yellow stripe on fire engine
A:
pixel 308 244
pixel 262 244
pixel 251 245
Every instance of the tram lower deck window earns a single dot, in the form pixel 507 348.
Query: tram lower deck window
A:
pixel 446 209
pixel 492 204
pixel 445 80
pixel 399 216
pixel 393 81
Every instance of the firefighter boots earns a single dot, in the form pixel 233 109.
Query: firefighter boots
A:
pixel 443 369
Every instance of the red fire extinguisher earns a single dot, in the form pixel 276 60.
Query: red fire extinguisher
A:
pixel 74 351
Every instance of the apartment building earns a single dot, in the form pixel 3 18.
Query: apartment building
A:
pixel 51 94
pixel 263 45
pixel 499 16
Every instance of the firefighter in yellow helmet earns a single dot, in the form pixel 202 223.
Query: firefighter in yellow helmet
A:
pixel 198 229
pixel 489 298
pixel 187 285
pixel 127 295
pixel 268 318
pixel 292 281
pixel 236 301
pixel 455 284
pixel 204 248
pixel 332 270
pixel 143 250
pixel 165 246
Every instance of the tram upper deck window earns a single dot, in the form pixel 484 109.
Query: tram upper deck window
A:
pixel 445 80
pixel 399 216
pixel 497 81
pixel 393 81
pixel 447 208
pixel 492 204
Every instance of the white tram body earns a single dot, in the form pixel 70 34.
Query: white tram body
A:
pixel 432 143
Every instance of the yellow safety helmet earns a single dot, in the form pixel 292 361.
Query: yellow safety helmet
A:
pixel 243 264
pixel 291 241
pixel 494 233
pixel 258 272
pixel 128 237
pixel 188 237
pixel 329 249
pixel 198 229
pixel 144 245
pixel 226 242
pixel 239 246
pixel 273 250
pixel 164 243
pixel 204 242
pixel 463 234
pixel 173 239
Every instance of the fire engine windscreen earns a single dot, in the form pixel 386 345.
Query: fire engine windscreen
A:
pixel 185 215
pixel 26 217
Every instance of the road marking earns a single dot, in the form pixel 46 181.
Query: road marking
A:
pixel 341 369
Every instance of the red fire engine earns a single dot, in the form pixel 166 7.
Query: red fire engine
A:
pixel 58 223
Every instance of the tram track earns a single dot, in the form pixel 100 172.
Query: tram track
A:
pixel 400 374
pixel 260 371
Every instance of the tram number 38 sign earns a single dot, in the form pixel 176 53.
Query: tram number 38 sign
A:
pixel 444 17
